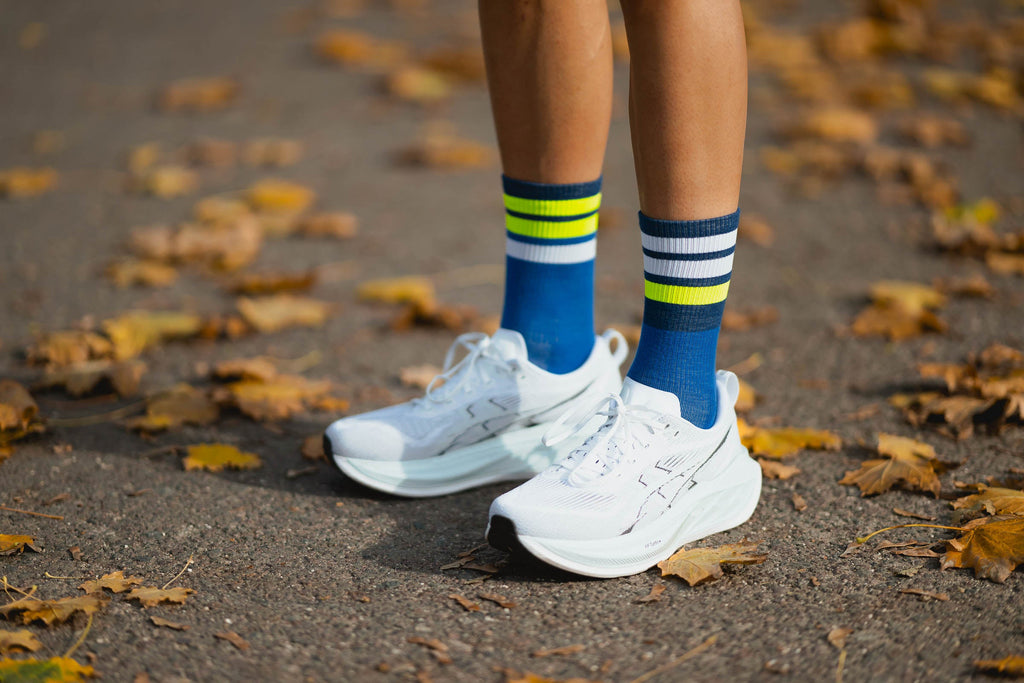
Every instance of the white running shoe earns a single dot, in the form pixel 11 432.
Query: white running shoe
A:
pixel 481 420
pixel 640 487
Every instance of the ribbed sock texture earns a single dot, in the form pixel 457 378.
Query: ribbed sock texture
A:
pixel 549 269
pixel 687 267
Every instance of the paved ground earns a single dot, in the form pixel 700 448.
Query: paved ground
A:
pixel 283 561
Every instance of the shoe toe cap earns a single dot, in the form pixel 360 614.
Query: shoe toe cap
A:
pixel 365 439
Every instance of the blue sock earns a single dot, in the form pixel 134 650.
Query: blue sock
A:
pixel 687 267
pixel 549 269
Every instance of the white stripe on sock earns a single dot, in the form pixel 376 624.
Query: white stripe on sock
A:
pixel 690 269
pixel 559 253
pixel 689 245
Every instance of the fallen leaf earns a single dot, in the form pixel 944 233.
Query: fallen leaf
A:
pixel 233 638
pixel 994 501
pixel 160 621
pixel 165 182
pixel 838 124
pixel 773 469
pixel 279 196
pixel 929 130
pixel 785 441
pixel 226 246
pixel 439 147
pixel 198 94
pixel 911 296
pixel 757 230
pixel 53 670
pixel 734 321
pixel 131 272
pixel 259 368
pixel 337 224
pixel 419 84
pixel 799 504
pixel 181 405
pixel 212 152
pixel 52 612
pixel 221 212
pixel 653 596
pixel 499 600
pixel 438 649
pixel 701 565
pixel 313 447
pixel 273 283
pixel 275 152
pixel 895 322
pixel 944 597
pixel 409 289
pixel 18 641
pixel 464 63
pixel 114 582
pixel 76 553
pixel 273 313
pixel 17 407
pixel 837 636
pixel 464 602
pixel 276 399
pixel 217 457
pixel 908 463
pixel 68 348
pixel 351 48
pixel 993 549
pixel 11 544
pixel 1012 665
pixel 123 376
pixel 975 286
pixel 136 331
pixel 20 183
pixel 747 397
pixel 563 651
pixel 418 376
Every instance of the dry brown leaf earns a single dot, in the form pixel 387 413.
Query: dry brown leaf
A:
pixel 701 565
pixel 273 195
pixel 53 670
pixel 993 500
pixel 215 457
pixel 747 397
pixel 929 130
pixel 259 368
pixel 82 378
pixel 993 549
pixel 160 621
pixel 736 321
pixel 150 596
pixel 337 224
pixel 276 399
pixel 198 94
pixel 273 313
pixel 911 296
pixel 973 286
pixel 275 152
pixel 165 182
pixel 135 331
pixel 180 405
pixel 68 348
pixel 313 447
pixel 351 48
pixel 17 407
pixel 219 211
pixel 837 636
pixel 1005 264
pixel 18 641
pixel 837 124
pixel 131 272
pixel 410 289
pixel 1013 665
pixel 19 183
pixel 52 612
pixel 908 463
pixel 562 651
pixel 439 147
pixel 464 602
pixel 273 283
pixel 785 441
pixel 226 246
pixel 895 322
pixel 418 376
pixel 419 84
pixel 773 469
pixel 238 641
pixel 499 600
pixel 925 594
pixel 14 543
pixel 115 582
pixel 757 230
pixel 654 596
pixel 212 152
pixel 799 504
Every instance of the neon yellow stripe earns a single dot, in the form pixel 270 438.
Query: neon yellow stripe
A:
pixel 551 229
pixel 686 296
pixel 553 207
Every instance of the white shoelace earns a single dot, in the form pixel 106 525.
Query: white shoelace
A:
pixel 621 420
pixel 479 346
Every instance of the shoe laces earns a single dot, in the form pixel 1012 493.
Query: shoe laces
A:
pixel 624 425
pixel 479 346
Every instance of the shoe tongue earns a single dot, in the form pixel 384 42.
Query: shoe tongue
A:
pixel 509 343
pixel 636 394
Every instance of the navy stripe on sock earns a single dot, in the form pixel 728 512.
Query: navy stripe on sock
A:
pixel 687 281
pixel 549 219
pixel 707 227
pixel 525 189
pixel 526 239
pixel 673 317
pixel 700 256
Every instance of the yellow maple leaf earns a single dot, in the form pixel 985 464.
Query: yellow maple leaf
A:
pixel 166 182
pixel 53 670
pixel 68 347
pixel 895 322
pixel 273 313
pixel 911 296
pixel 259 368
pixel 82 378
pixel 339 224
pixel 773 469
pixel 274 399
pixel 198 94
pixel 409 289
pixel 116 582
pixel 993 500
pixel 15 641
pixel 439 147
pixel 908 463
pixel 14 543
pixel 419 84
pixel 785 441
pixel 272 152
pixel 227 246
pixel 273 283
pixel 1012 665
pixel 220 210
pixel 839 125
pixel 352 48
pixel 216 457
pixel 180 405
pixel 129 272
pixel 52 612
pixel 17 407
pixel 993 549
pixel 19 183
pixel 135 331
pixel 701 565
pixel 279 196
pixel 150 596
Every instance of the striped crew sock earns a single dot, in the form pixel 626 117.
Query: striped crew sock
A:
pixel 687 266
pixel 549 269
